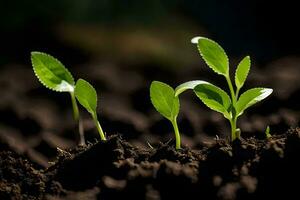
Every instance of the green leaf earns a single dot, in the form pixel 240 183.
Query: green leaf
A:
pixel 251 97
pixel 242 71
pixel 214 97
pixel 187 85
pixel 86 95
pixel 164 100
pixel 213 54
pixel 52 73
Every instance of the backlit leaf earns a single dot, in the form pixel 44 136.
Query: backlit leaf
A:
pixel 214 97
pixel 86 95
pixel 164 100
pixel 52 73
pixel 213 54
pixel 251 97
pixel 187 85
pixel 242 71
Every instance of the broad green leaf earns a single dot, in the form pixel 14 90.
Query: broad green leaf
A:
pixel 213 54
pixel 164 100
pixel 52 73
pixel 242 71
pixel 214 97
pixel 186 86
pixel 86 95
pixel 251 97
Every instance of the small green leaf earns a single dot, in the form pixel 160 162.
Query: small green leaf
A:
pixel 52 73
pixel 214 97
pixel 86 95
pixel 213 54
pixel 251 97
pixel 242 71
pixel 164 100
pixel 187 85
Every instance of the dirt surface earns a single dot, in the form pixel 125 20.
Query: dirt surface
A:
pixel 247 169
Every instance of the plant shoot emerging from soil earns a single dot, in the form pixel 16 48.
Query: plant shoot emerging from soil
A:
pixel 55 76
pixel 267 132
pixel 231 106
pixel 87 97
pixel 167 104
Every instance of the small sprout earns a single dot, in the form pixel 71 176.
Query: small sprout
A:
pixel 217 99
pixel 55 76
pixel 267 132
pixel 87 97
pixel 167 104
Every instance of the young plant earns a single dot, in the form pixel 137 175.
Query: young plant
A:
pixel 167 104
pixel 87 97
pixel 267 132
pixel 55 76
pixel 231 106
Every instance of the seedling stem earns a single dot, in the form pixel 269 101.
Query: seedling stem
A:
pixel 99 128
pixel 77 119
pixel 177 134
pixel 233 118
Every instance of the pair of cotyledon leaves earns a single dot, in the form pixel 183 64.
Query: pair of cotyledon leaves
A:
pixel 55 76
pixel 165 98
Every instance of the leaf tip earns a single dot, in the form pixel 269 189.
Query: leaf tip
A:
pixel 248 59
pixel 36 53
pixel 195 40
pixel 268 91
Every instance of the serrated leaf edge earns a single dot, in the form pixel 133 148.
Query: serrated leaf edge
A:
pixel 235 75
pixel 198 38
pixel 38 77
pixel 220 104
pixel 266 95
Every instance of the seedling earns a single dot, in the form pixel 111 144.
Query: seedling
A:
pixel 217 99
pixel 87 97
pixel 267 132
pixel 167 104
pixel 55 76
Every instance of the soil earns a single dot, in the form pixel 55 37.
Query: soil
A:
pixel 246 169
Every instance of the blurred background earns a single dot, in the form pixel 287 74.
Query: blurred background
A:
pixel 121 46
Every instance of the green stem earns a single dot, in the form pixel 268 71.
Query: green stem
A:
pixel 233 98
pixel 177 134
pixel 98 126
pixel 233 113
pixel 233 129
pixel 75 107
pixel 77 119
pixel 237 93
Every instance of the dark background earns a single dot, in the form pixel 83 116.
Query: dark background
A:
pixel 264 29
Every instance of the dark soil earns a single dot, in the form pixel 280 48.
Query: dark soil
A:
pixel 114 169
